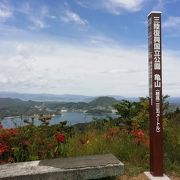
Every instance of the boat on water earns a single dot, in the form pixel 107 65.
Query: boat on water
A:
pixel 11 117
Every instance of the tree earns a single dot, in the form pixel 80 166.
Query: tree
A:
pixel 138 112
pixel 142 116
pixel 127 110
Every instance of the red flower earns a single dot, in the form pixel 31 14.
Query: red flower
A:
pixel 60 137
pixel 12 131
pixel 140 138
pixel 138 133
pixel 7 133
pixel 3 148
pixel 50 146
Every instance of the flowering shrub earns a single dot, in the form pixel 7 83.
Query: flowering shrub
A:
pixel 7 137
pixel 138 133
pixel 31 143
pixel 60 137
pixel 8 133
pixel 139 137
pixel 3 148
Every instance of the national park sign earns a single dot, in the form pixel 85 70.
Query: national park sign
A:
pixel 155 93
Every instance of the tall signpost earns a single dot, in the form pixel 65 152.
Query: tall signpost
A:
pixel 155 96
pixel 155 93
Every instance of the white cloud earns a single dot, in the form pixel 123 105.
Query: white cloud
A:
pixel 37 23
pixel 5 11
pixel 71 68
pixel 24 52
pixel 117 6
pixel 72 17
pixel 171 72
pixel 49 66
pixel 172 22
pixel 99 40
pixel 114 6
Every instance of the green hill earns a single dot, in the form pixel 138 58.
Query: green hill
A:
pixel 103 101
pixel 16 107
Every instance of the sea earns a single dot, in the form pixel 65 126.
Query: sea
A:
pixel 71 117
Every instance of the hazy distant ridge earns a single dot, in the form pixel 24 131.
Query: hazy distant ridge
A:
pixel 51 97
pixel 68 97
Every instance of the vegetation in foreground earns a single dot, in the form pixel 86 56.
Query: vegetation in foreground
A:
pixel 126 137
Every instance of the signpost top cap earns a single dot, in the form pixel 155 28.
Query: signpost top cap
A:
pixel 156 12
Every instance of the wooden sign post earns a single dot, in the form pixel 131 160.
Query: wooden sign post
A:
pixel 155 93
pixel 155 96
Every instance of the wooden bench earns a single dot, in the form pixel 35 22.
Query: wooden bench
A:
pixel 85 167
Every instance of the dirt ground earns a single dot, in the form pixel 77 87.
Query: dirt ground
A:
pixel 143 177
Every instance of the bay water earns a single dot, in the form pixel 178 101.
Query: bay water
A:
pixel 71 117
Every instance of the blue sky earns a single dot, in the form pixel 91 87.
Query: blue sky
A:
pixel 89 47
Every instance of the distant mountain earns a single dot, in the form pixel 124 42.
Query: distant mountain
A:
pixel 46 97
pixel 68 97
pixel 55 97
pixel 174 100
pixel 16 107
pixel 116 97
pixel 103 101
pixel 51 97
pixel 6 102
